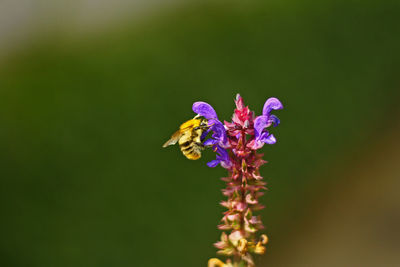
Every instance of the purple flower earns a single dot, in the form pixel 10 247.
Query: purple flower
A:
pixel 222 158
pixel 219 140
pixel 261 135
pixel 219 133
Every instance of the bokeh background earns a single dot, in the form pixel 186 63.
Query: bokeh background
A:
pixel 90 90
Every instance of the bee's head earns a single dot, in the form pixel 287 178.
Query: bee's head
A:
pixel 203 121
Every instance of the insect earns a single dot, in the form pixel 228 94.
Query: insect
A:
pixel 189 137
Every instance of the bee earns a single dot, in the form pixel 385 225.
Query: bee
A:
pixel 189 137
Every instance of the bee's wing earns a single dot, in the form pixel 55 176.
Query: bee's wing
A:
pixel 174 138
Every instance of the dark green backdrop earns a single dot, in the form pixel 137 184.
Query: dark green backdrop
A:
pixel 84 180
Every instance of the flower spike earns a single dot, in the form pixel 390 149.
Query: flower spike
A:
pixel 236 144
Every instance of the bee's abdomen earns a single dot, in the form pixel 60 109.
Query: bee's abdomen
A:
pixel 191 150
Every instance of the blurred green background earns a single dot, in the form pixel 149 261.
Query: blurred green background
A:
pixel 84 180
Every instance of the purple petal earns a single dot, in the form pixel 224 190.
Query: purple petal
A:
pixel 270 104
pixel 223 154
pixel 219 131
pixel 213 163
pixel 204 109
pixel 268 139
pixel 274 120
pixel 204 134
pixel 260 123
pixel 223 157
pixel 210 142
